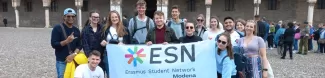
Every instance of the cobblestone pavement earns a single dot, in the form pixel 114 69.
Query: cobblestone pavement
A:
pixel 26 53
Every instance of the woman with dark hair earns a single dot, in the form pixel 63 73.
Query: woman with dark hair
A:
pixel 225 57
pixel 288 40
pixel 91 36
pixel 113 33
pixel 240 25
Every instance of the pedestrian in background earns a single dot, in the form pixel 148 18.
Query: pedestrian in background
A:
pixel 5 21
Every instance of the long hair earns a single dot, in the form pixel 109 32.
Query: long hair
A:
pixel 120 29
pixel 214 17
pixel 230 53
pixel 255 26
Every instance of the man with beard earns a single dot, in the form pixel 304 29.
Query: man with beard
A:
pixel 229 26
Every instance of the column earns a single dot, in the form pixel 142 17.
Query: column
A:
pixel 79 4
pixel 116 5
pixel 208 4
pixel 46 5
pixel 47 18
pixel 311 11
pixel 15 5
pixel 257 7
pixel 162 5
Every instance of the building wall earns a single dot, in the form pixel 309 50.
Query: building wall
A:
pixel 288 10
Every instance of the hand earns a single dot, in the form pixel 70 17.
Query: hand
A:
pixel 149 43
pixel 210 38
pixel 165 43
pixel 70 38
pixel 265 74
pixel 120 43
pixel 70 58
pixel 103 43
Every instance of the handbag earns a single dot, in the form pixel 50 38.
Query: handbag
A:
pixel 297 36
pixel 270 73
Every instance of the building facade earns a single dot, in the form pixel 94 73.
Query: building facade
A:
pixel 32 13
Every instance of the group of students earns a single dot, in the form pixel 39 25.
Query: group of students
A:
pixel 142 30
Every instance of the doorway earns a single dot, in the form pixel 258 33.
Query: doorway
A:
pixel 151 7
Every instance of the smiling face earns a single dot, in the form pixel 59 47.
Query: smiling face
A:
pixel 141 9
pixel 114 18
pixel 94 60
pixel 94 18
pixel 159 20
pixel 222 42
pixel 69 18
pixel 250 28
pixel 229 25
pixel 240 26
pixel 214 23
pixel 200 21
pixel 189 29
pixel 175 13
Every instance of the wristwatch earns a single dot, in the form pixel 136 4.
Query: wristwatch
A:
pixel 264 69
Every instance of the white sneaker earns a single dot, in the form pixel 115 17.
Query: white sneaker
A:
pixel 294 51
pixel 271 48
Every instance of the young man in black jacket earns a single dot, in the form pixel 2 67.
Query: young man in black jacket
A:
pixel 190 37
pixel 288 40
pixel 261 27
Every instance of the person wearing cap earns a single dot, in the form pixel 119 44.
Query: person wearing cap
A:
pixel 65 39
pixel 90 70
pixel 303 44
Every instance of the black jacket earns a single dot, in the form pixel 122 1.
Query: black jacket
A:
pixel 289 34
pixel 261 29
pixel 126 38
pixel 188 39
pixel 317 33
pixel 169 36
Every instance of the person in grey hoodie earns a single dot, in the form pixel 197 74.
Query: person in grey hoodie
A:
pixel 304 33
pixel 139 25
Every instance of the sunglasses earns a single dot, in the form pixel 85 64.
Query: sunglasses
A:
pixel 189 27
pixel 222 42
pixel 94 17
pixel 200 20
pixel 70 16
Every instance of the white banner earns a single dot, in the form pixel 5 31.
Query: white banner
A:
pixel 191 60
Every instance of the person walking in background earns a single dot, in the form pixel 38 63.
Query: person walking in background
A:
pixel 190 37
pixel 278 26
pixel 5 21
pixel 200 28
pixel 271 36
pixel 321 40
pixel 310 39
pixel 303 44
pixel 278 34
pixel 297 37
pixel 261 27
pixel 288 40
pixel 317 35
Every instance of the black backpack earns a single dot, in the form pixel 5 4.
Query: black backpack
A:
pixel 135 29
pixel 240 61
pixel 182 26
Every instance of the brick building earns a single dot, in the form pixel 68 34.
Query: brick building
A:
pixel 32 13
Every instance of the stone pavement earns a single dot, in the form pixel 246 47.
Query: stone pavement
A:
pixel 27 53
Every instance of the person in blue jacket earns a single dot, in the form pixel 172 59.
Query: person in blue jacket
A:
pixel 226 67
pixel 278 34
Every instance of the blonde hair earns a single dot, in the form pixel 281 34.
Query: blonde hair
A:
pixel 120 29
pixel 255 26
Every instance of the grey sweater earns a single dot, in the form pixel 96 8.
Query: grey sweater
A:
pixel 304 30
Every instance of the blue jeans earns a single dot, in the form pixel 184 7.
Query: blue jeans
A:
pixel 295 44
pixel 60 68
pixel 106 65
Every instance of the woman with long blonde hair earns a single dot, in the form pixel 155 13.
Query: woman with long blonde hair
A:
pixel 113 33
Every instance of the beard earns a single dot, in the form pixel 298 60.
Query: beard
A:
pixel 229 29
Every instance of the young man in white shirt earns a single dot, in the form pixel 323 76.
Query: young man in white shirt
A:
pixel 230 28
pixel 90 70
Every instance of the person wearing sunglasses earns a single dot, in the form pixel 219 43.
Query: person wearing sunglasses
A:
pixel 66 41
pixel 255 52
pixel 214 30
pixel 189 37
pixel 200 28
pixel 161 34
pixel 226 67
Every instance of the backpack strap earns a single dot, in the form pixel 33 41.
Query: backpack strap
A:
pixel 66 36
pixel 183 27
pixel 135 26
pixel 147 24
pixel 223 59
